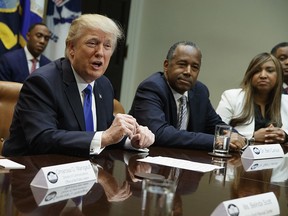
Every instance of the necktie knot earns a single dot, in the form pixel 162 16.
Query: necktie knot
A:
pixel 182 100
pixel 88 90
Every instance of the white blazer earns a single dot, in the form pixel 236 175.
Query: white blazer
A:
pixel 231 106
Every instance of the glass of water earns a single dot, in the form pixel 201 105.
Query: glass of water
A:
pixel 157 197
pixel 221 141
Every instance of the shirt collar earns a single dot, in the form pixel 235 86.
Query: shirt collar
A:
pixel 29 56
pixel 82 84
pixel 178 95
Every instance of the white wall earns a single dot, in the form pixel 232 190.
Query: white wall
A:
pixel 229 32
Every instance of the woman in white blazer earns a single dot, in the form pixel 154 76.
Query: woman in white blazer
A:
pixel 258 110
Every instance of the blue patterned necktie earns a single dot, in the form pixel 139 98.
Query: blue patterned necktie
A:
pixel 182 115
pixel 87 106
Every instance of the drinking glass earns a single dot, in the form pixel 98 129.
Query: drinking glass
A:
pixel 221 141
pixel 157 197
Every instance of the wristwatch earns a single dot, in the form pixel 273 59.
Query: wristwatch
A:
pixel 248 142
pixel 251 141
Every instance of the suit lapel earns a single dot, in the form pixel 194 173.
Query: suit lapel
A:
pixel 171 107
pixel 100 107
pixel 191 109
pixel 23 66
pixel 71 91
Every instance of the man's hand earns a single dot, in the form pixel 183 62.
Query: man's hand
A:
pixel 143 138
pixel 237 142
pixel 126 125
pixel 123 125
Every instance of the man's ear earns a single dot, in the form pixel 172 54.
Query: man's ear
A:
pixel 28 35
pixel 71 47
pixel 165 65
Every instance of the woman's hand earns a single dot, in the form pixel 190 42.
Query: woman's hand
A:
pixel 270 135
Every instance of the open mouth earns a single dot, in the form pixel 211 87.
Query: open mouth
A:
pixel 97 64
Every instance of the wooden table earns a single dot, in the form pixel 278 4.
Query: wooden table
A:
pixel 118 191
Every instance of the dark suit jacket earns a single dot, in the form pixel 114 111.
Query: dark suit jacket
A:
pixel 49 117
pixel 154 106
pixel 13 65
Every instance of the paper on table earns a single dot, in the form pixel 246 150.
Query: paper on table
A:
pixel 8 164
pixel 180 163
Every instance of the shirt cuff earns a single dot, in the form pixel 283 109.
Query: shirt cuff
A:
pixel 95 146
pixel 129 146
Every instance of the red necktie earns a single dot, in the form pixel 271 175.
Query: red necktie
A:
pixel 33 67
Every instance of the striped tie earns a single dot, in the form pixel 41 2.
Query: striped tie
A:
pixel 87 106
pixel 182 115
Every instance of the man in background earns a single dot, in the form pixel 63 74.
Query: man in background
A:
pixel 16 65
pixel 280 51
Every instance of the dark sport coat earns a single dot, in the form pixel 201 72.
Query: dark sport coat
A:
pixel 49 115
pixel 14 67
pixel 154 106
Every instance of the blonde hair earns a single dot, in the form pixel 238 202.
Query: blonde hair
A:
pixel 94 21
pixel 275 94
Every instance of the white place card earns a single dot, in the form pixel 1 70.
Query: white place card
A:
pixel 44 196
pixel 265 204
pixel 263 151
pixel 64 174
pixel 9 164
pixel 261 164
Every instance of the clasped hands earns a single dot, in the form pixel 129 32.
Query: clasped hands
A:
pixel 126 125
pixel 268 135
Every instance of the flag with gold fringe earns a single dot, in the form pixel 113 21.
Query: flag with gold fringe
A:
pixel 16 16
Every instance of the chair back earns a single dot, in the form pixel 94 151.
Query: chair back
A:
pixel 9 93
pixel 118 108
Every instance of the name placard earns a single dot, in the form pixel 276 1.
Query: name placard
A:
pixel 255 165
pixel 45 196
pixel 63 175
pixel 263 151
pixel 265 204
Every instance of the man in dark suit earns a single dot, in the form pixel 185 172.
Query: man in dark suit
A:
pixel 280 51
pixel 156 103
pixel 16 65
pixel 51 113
